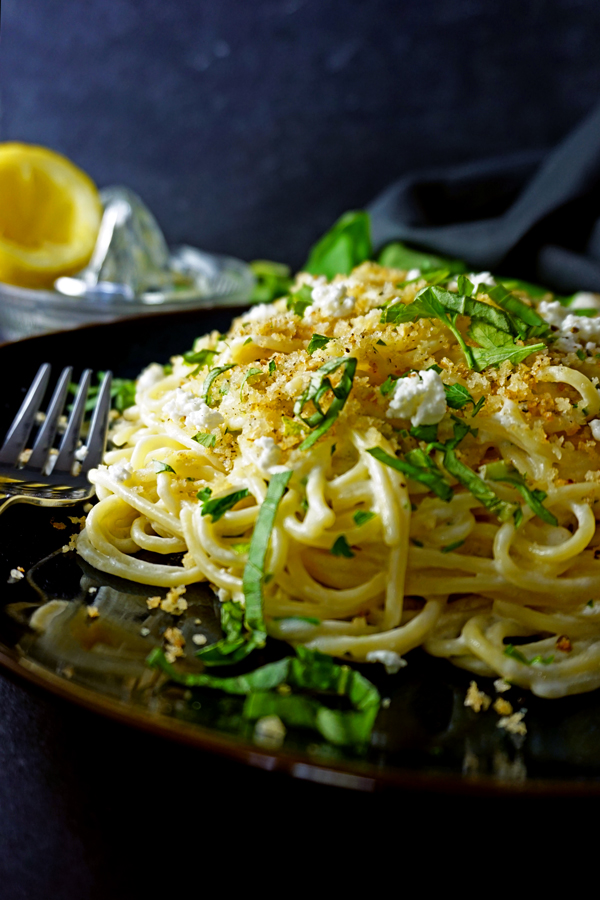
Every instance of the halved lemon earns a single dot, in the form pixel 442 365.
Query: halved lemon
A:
pixel 50 214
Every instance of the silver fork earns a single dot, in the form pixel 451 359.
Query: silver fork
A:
pixel 34 479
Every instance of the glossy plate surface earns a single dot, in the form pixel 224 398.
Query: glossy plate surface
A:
pixel 424 739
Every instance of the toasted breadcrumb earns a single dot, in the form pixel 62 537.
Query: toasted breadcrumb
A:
pixel 175 644
pixel 563 643
pixel 174 602
pixel 72 545
pixel 153 602
pixel 501 686
pixel 93 612
pixel 60 526
pixel 476 699
pixel 503 707
pixel 78 520
pixel 514 723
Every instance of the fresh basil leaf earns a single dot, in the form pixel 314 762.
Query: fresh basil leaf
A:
pixel 450 547
pixel 469 479
pixel 203 494
pixel 160 466
pixel 516 284
pixel 427 433
pixel 211 377
pixel 497 346
pixel 272 367
pixel 318 386
pixel 500 471
pixel 344 246
pixel 388 385
pixel 398 256
pixel 307 671
pixel 249 374
pixel 458 396
pixel 273 280
pixel 424 474
pixel 527 320
pixel 514 653
pixel 316 342
pixel 465 286
pixel 363 515
pixel 300 300
pixel 207 440
pixel 122 393
pixel 310 620
pixel 341 547
pixel 200 358
pixel 218 506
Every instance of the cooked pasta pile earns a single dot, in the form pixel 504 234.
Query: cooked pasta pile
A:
pixel 444 479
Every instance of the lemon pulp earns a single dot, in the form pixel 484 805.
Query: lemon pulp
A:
pixel 50 214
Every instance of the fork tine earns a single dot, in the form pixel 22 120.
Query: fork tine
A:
pixel 98 428
pixel 66 454
pixel 47 432
pixel 22 424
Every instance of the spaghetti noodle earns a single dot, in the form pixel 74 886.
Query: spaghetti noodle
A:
pixel 443 475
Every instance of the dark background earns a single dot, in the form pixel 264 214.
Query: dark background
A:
pixel 248 126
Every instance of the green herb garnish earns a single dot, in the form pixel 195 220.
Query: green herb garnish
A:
pixel 421 470
pixel 318 386
pixel 341 547
pixel 216 507
pixel 249 374
pixel 307 671
pixel 316 342
pixel 500 471
pixel 399 256
pixel 344 246
pixel 272 280
pixel 200 358
pixel 272 367
pixel 162 467
pixel 450 547
pixel 363 515
pixel 204 493
pixel 457 396
pixel 388 385
pixel 211 377
pixel 300 300
pixel 207 440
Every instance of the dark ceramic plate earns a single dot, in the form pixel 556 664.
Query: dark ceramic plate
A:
pixel 425 738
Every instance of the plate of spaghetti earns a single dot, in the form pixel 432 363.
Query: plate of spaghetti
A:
pixel 377 489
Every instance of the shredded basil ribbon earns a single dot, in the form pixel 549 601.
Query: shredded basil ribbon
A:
pixel 219 505
pixel 236 645
pixel 212 375
pixel 491 327
pixel 307 671
pixel 318 386
pixel 500 471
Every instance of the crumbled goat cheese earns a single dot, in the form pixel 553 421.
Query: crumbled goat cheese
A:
pixel 195 411
pixel 260 313
pixel 81 453
pixel 16 574
pixel 419 397
pixel 595 428
pixel 269 457
pixel 392 661
pixel 269 731
pixel 574 332
pixel 150 376
pixel 585 300
pixel 412 274
pixel 199 639
pixel 500 686
pixel 476 278
pixel 331 300
pixel 120 471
